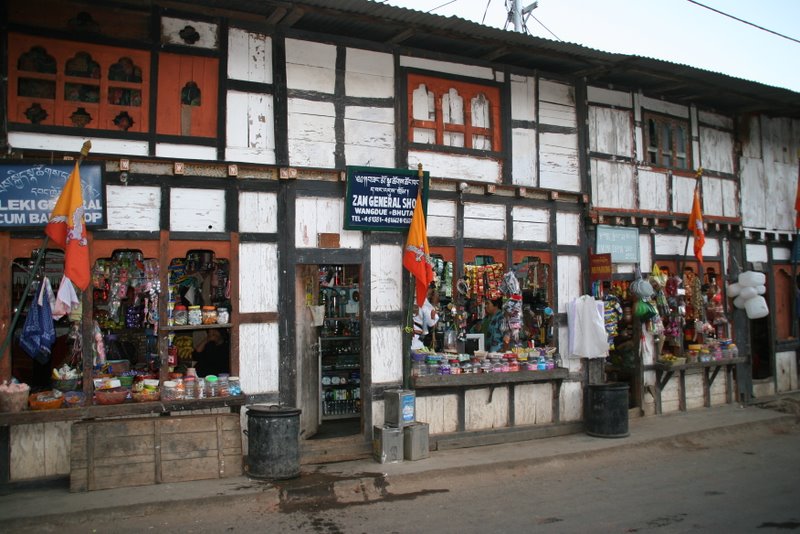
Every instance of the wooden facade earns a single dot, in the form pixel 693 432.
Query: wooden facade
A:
pixel 239 145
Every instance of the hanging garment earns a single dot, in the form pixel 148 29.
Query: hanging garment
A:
pixel 66 300
pixel 587 333
pixel 38 333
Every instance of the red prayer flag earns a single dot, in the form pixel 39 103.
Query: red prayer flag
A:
pixel 67 229
pixel 416 255
pixel 696 226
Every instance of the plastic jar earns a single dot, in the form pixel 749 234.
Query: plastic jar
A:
pixel 195 315
pixel 200 388
pixel 733 351
pixel 169 391
pixel 190 388
pixel 181 315
pixel 234 386
pixel 211 386
pixel 209 315
pixel 223 386
pixel 223 315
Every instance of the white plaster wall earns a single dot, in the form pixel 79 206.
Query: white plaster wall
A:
pixel 259 357
pixel 386 278
pixel 530 224
pixel 258 212
pixel 310 66
pixel 311 133
pixel 322 215
pixel 369 74
pixel 457 167
pixel 249 56
pixel 133 208
pixel 250 133
pixel 568 227
pixel 441 218
pixel 258 277
pixel 569 283
pixel 197 210
pixel 386 347
pixel 369 136
pixel 484 221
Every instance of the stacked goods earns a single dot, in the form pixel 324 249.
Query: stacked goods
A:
pixel 13 396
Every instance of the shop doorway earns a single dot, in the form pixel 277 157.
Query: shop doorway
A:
pixel 329 350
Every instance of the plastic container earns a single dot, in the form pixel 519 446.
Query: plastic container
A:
pixel 212 389
pixel 46 400
pixel 223 386
pixel 169 391
pixel 606 410
pixel 234 386
pixel 223 316
pixel 209 315
pixel 195 315
pixel 200 388
pixel 111 396
pixel 190 388
pixel 14 401
pixel 180 315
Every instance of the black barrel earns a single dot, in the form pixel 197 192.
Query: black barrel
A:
pixel 273 442
pixel 606 410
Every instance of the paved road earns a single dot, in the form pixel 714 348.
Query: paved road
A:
pixel 733 481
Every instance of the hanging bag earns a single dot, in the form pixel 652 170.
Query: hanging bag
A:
pixel 38 333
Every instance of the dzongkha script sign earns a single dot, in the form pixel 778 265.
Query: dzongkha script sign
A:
pixel 382 199
pixel 29 192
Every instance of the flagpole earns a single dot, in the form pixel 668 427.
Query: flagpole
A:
pixel 681 264
pixel 87 146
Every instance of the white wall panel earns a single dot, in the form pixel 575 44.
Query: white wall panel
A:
pixel 386 278
pixel 653 190
pixel 568 228
pixel 196 210
pixel 206 32
pixel 716 150
pixel 600 95
pixel 258 277
pixel 569 281
pixel 662 106
pixel 611 131
pixel 259 360
pixel 318 215
pixel 448 67
pixel 530 224
pixel 386 347
pixel 523 158
pixel 484 221
pixel 310 66
pixel 523 98
pixel 249 56
pixel 72 144
pixel 250 133
pixel 755 253
pixel 441 218
pixel 258 212
pixel 135 208
pixel 369 74
pixel 558 162
pixel 612 184
pixel 675 245
pixel 369 136
pixel 312 136
pixel 457 167
pixel 183 152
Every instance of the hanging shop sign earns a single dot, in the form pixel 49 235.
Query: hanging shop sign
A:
pixel 29 192
pixel 622 243
pixel 600 267
pixel 382 199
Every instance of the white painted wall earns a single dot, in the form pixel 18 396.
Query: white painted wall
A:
pixel 259 351
pixel 197 210
pixel 386 348
pixel 258 212
pixel 133 208
pixel 318 215
pixel 258 277
pixel 386 278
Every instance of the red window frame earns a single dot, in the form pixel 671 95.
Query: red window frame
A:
pixel 468 91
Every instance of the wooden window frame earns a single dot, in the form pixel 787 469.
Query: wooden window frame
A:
pixel 467 91
pixel 59 108
pixel 655 150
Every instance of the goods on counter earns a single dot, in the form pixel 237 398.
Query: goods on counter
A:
pixel 116 395
pixel 46 400
pixel 426 363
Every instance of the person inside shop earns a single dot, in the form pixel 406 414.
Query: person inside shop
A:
pixel 493 325
pixel 425 320
pixel 212 354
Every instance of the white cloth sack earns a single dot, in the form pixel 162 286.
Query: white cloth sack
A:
pixel 587 331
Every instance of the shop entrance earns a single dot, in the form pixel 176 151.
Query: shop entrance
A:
pixel 329 351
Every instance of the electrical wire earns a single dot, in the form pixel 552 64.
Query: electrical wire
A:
pixel 743 21
pixel 445 4
pixel 485 11
pixel 545 27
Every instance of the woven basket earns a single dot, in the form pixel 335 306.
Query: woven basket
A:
pixel 15 401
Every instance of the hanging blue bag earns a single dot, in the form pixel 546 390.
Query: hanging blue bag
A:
pixel 38 333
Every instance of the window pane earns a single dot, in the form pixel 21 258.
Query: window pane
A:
pixel 481 109
pixel 453 139
pixel 452 108
pixel 424 135
pixel 652 133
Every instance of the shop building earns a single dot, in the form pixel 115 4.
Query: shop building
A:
pixel 226 131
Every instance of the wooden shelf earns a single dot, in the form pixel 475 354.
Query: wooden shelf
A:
pixel 353 415
pixel 178 328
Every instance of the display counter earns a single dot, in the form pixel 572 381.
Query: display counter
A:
pixel 709 370
pixel 118 410
pixel 488 379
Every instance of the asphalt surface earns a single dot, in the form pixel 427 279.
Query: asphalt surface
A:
pixel 368 481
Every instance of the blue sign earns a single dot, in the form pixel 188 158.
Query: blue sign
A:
pixel 29 192
pixel 382 199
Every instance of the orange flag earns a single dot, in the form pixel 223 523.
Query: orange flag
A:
pixel 416 255
pixel 67 229
pixel 696 226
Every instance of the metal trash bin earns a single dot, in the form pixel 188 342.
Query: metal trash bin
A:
pixel 273 439
pixel 606 410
